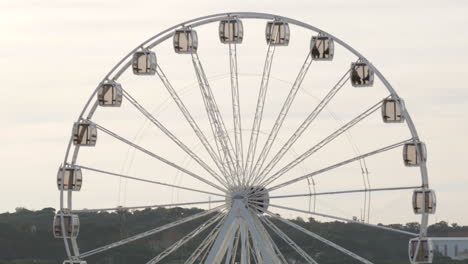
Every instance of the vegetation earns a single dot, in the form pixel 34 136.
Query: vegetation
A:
pixel 26 237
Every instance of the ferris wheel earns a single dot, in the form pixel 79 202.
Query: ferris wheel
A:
pixel 234 154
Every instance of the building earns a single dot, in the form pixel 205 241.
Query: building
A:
pixel 453 247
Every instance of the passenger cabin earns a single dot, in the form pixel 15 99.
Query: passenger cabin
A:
pixel 71 225
pixel 75 262
pixel 144 62
pixel 231 31
pixel 420 251
pixel 84 134
pixel 277 33
pixel 424 201
pixel 361 75
pixel 393 111
pixel 185 41
pixel 110 94
pixel 69 179
pixel 322 48
pixel 414 154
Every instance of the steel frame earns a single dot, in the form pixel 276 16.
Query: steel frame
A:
pixel 241 227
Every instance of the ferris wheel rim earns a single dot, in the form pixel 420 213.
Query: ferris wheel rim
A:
pixel 155 40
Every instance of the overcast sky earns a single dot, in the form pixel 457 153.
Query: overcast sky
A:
pixel 54 52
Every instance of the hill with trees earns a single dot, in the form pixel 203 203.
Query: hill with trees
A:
pixel 26 237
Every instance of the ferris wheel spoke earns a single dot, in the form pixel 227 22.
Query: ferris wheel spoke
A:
pixel 172 164
pixel 319 238
pixel 186 238
pixel 282 115
pixel 216 121
pixel 168 133
pixel 275 248
pixel 201 136
pixel 357 158
pixel 346 192
pixel 150 232
pixel 345 220
pixel 235 250
pixel 288 240
pixel 259 109
pixel 126 208
pixel 278 252
pixel 203 247
pixel 147 181
pixel 323 143
pixel 312 116
pixel 236 109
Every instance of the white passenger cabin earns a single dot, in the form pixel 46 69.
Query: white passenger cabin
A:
pixel 424 201
pixel 414 154
pixel 110 94
pixel 71 224
pixel 144 62
pixel 231 31
pixel 69 178
pixel 84 134
pixel 361 75
pixel 322 48
pixel 277 33
pixel 420 251
pixel 393 110
pixel 185 41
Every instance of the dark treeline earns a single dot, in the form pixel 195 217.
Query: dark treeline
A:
pixel 26 237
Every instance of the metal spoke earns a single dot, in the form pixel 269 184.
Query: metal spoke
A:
pixel 236 109
pixel 345 219
pixel 312 116
pixel 166 131
pixel 172 164
pixel 217 125
pixel 235 248
pixel 284 111
pixel 119 208
pixel 259 109
pixel 150 232
pixel 346 192
pixel 323 143
pixel 185 239
pixel 148 181
pixel 189 118
pixel 231 242
pixel 266 236
pixel 204 245
pixel 375 152
pixel 278 252
pixel 319 238
pixel 288 240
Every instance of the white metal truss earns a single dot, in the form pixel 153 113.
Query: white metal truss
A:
pixel 259 109
pixel 319 238
pixel 190 119
pixel 168 133
pixel 238 216
pixel 323 143
pixel 150 232
pixel 288 240
pixel 237 119
pixel 185 239
pixel 282 115
pixel 216 121
pixel 312 116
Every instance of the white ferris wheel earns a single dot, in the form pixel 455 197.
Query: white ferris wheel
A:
pixel 253 156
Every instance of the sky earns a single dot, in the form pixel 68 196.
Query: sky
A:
pixel 53 54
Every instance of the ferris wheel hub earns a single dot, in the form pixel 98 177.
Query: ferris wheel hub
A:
pixel 256 198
